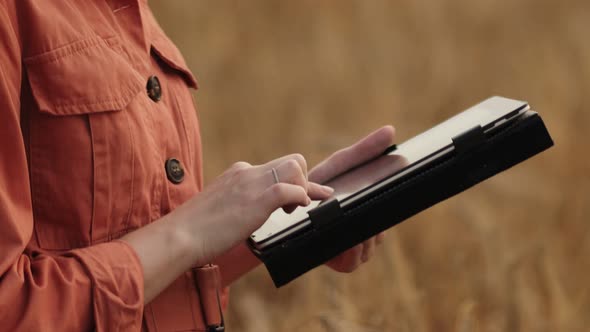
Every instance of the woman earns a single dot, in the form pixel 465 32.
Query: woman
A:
pixel 103 223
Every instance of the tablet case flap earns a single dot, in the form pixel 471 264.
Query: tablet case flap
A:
pixel 476 158
pixel 326 213
pixel 468 140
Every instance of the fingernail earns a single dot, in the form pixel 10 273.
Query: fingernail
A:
pixel 328 190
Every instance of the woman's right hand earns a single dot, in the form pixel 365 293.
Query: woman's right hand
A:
pixel 242 198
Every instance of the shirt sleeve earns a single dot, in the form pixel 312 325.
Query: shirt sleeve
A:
pixel 95 288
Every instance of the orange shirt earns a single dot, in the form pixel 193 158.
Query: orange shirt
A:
pixel 98 137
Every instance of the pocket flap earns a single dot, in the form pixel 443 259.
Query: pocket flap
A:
pixel 87 76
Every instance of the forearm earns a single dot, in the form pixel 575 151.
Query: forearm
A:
pixel 165 250
pixel 192 235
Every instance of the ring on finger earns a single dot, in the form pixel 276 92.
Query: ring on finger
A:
pixel 275 175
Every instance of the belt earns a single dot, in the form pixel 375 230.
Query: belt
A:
pixel 208 284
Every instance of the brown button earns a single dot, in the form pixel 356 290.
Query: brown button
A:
pixel 154 89
pixel 174 170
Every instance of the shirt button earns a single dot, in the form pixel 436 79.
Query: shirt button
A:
pixel 154 89
pixel 174 170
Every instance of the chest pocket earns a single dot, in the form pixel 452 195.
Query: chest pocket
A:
pixel 80 147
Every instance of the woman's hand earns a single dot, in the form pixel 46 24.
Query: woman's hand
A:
pixel 222 216
pixel 366 149
pixel 241 199
pixel 240 259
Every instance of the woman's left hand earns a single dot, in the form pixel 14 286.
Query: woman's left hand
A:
pixel 366 149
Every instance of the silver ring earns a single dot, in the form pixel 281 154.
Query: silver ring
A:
pixel 275 175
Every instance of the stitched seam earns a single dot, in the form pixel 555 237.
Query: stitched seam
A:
pixel 40 197
pixel 75 47
pixel 132 193
pixel 184 127
pixel 34 181
pixel 128 92
pixel 160 178
pixel 114 236
pixel 92 146
pixel 80 244
pixel 61 52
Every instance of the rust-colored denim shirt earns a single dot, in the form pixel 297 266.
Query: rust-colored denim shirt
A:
pixel 98 137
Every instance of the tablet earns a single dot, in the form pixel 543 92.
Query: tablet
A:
pixel 406 179
pixel 396 162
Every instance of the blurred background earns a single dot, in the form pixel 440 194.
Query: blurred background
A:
pixel 512 254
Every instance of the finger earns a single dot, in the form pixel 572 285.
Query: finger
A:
pixel 347 261
pixel 379 238
pixel 284 194
pixel 354 260
pixel 289 171
pixel 279 161
pixel 364 150
pixel 318 192
pixel 368 249
pixel 315 192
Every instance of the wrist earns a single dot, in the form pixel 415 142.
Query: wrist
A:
pixel 188 241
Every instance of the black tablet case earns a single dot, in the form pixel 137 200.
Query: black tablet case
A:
pixel 476 157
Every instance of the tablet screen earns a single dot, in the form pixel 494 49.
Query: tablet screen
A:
pixel 403 159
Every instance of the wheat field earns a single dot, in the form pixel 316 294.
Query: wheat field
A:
pixel 512 254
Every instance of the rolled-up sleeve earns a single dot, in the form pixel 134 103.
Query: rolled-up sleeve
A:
pixel 95 288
